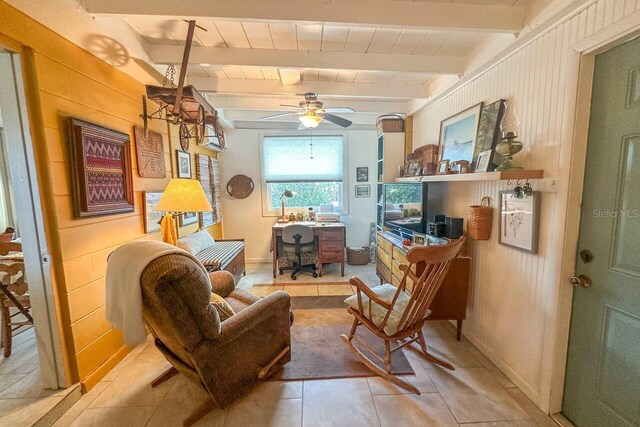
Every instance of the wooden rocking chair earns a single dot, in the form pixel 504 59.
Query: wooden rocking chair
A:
pixel 397 314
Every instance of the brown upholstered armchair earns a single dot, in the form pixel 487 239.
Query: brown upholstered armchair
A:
pixel 225 357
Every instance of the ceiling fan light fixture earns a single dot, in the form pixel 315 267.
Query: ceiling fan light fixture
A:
pixel 310 120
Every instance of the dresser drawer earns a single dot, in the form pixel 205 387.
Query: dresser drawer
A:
pixel 383 243
pixel 383 271
pixel 400 256
pixel 385 258
pixel 331 235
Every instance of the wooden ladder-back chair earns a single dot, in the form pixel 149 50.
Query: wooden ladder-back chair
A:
pixel 398 314
pixel 14 292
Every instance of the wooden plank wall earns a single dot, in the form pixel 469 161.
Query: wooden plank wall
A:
pixel 67 81
pixel 513 309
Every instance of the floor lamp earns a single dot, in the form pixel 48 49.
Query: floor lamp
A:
pixel 181 196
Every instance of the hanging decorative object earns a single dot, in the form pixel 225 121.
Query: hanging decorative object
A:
pixel 510 145
pixel 184 106
pixel 149 153
pixel 240 187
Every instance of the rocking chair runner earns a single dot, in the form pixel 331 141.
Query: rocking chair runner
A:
pixel 397 314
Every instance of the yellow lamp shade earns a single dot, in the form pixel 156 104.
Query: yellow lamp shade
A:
pixel 184 195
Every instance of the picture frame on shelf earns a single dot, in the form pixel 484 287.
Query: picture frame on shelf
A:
pixel 519 220
pixel 458 135
pixel 363 190
pixel 419 239
pixel 489 133
pixel 483 161
pixel 151 216
pixel 443 167
pixel 362 174
pixel 102 182
pixel 183 164
pixel 188 218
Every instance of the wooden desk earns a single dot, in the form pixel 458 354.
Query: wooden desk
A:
pixel 331 237
pixel 450 302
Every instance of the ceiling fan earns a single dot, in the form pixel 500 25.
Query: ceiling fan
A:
pixel 310 113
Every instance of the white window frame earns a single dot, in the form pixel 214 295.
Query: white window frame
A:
pixel 344 193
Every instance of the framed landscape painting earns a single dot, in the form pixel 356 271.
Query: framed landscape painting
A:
pixel 151 216
pixel 458 135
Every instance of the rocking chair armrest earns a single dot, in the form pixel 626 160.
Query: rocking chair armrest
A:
pixel 360 286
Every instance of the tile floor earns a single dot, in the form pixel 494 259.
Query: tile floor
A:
pixel 475 394
pixel 23 401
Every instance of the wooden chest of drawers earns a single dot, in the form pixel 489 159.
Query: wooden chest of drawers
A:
pixel 451 301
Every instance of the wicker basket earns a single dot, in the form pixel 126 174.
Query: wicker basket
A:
pixel 390 123
pixel 358 256
pixel 480 220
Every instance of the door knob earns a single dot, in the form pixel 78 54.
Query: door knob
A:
pixel 581 280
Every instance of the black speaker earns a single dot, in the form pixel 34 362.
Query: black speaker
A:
pixel 454 227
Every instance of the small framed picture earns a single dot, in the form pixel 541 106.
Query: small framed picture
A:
pixel 151 216
pixel 188 218
pixel 419 239
pixel 363 190
pixel 362 174
pixel 484 159
pixel 443 167
pixel 184 164
pixel 519 221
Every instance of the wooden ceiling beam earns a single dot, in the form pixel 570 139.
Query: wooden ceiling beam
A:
pixel 275 87
pixel 417 14
pixel 169 54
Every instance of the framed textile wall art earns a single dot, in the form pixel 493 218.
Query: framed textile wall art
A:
pixel 100 170
pixel 208 173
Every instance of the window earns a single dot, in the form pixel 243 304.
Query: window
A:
pixel 311 167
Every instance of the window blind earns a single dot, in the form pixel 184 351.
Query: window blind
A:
pixel 302 159
pixel 208 173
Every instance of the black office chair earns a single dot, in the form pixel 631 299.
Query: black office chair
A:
pixel 298 239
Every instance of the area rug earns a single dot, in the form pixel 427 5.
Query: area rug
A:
pixel 318 352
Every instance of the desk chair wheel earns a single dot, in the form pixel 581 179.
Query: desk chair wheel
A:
pixel 315 274
pixel 280 271
pixel 293 277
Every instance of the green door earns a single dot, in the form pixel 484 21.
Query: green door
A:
pixel 602 386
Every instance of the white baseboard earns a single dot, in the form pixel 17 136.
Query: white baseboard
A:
pixel 258 260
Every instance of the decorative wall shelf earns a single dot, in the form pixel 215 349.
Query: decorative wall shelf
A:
pixel 482 176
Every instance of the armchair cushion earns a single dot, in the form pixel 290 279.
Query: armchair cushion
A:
pixel 222 283
pixel 378 312
pixel 224 309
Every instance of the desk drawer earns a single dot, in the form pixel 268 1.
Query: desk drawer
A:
pixel 332 246
pixel 331 256
pixel 331 235
pixel 385 259
pixel 383 243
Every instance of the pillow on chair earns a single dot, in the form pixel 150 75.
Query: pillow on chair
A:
pixel 378 312
pixel 224 309
pixel 197 242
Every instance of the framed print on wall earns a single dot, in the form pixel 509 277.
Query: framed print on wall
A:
pixel 363 190
pixel 483 161
pixel 489 133
pixel 458 135
pixel 100 170
pixel 519 221
pixel 184 164
pixel 151 216
pixel 362 174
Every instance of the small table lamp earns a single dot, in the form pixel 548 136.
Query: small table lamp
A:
pixel 183 195
pixel 287 193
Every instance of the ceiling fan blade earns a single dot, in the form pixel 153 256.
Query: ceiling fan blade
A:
pixel 337 120
pixel 302 127
pixel 273 116
pixel 340 110
pixel 289 105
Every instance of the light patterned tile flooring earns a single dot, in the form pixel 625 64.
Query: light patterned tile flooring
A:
pixel 475 394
